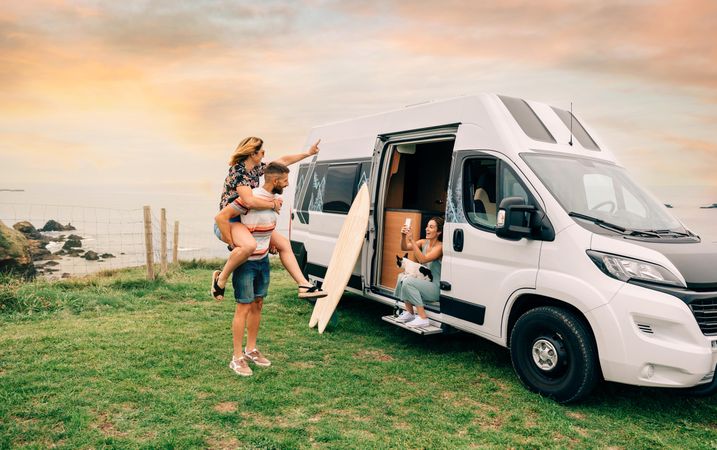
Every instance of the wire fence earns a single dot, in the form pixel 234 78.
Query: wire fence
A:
pixel 98 238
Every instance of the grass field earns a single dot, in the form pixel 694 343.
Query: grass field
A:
pixel 118 361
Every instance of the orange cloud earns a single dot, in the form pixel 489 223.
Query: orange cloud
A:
pixel 46 152
pixel 200 73
pixel 671 41
pixel 167 79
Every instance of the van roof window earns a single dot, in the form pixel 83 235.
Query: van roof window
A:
pixel 577 129
pixel 527 119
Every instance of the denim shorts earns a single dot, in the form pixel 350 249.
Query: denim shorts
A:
pixel 218 233
pixel 251 280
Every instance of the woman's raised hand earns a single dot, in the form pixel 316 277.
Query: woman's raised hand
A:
pixel 314 148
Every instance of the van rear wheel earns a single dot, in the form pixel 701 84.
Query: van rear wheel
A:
pixel 553 354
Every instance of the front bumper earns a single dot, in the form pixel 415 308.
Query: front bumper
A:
pixel 647 337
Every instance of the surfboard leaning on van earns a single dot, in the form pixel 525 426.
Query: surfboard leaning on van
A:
pixel 550 248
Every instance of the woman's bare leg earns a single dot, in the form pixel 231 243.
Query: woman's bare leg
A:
pixel 421 312
pixel 245 244
pixel 409 307
pixel 288 259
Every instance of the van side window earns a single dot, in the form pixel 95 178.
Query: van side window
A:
pixel 479 191
pixel 364 174
pixel 486 182
pixel 340 188
pixel 330 187
pixel 300 180
pixel 510 186
pixel 314 198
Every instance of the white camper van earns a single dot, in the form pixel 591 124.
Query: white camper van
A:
pixel 550 248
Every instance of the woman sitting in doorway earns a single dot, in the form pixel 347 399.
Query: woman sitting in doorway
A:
pixel 412 291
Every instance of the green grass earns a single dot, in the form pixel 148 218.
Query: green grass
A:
pixel 118 361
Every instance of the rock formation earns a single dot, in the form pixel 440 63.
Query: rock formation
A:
pixel 15 253
pixel 53 225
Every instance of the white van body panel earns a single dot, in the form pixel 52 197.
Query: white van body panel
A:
pixel 356 137
pixel 323 239
pixel 495 267
pixel 474 137
pixel 584 286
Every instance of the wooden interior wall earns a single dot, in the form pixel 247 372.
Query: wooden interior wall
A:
pixel 393 221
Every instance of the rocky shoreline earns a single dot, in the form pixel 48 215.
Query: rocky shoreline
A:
pixel 29 252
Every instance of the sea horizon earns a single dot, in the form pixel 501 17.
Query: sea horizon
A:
pixel 110 216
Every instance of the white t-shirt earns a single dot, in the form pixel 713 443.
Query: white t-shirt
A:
pixel 261 223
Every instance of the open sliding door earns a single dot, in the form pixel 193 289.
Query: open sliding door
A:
pixel 410 173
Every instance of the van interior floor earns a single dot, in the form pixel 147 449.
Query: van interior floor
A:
pixel 431 328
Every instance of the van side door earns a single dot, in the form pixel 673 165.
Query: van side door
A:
pixel 481 270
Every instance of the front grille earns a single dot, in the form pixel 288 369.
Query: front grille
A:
pixel 705 311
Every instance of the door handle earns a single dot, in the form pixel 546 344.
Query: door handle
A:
pixel 458 240
pixel 445 286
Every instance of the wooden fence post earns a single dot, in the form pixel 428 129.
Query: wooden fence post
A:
pixel 163 242
pixel 148 242
pixel 175 247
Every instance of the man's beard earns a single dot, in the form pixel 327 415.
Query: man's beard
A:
pixel 277 190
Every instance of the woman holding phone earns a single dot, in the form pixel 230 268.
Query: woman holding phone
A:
pixel 412 291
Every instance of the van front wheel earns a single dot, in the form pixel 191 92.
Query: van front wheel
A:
pixel 553 354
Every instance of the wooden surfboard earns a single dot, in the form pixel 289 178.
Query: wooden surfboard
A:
pixel 343 259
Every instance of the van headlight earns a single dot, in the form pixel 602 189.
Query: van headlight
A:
pixel 625 269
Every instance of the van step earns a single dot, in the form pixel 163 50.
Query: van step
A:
pixel 432 328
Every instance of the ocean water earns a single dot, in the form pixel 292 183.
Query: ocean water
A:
pixel 110 219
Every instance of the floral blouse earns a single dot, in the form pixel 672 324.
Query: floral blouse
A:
pixel 238 176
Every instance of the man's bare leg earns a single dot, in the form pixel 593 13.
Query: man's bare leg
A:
pixel 238 326
pixel 252 325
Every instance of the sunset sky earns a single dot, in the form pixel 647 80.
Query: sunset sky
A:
pixel 108 92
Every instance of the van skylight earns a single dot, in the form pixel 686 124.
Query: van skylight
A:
pixel 578 131
pixel 527 119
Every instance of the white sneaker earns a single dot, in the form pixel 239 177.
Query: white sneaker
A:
pixel 405 317
pixel 418 323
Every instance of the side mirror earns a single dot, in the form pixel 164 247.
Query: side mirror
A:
pixel 513 218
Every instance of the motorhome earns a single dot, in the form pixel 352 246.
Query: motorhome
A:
pixel 550 248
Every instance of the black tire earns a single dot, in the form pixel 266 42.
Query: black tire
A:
pixel 702 390
pixel 565 367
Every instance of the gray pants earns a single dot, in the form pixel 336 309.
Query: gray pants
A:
pixel 416 292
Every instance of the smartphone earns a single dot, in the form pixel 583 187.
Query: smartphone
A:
pixel 407 223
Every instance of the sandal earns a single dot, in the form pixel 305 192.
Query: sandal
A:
pixel 312 291
pixel 216 291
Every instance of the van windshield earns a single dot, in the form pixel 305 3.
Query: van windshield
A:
pixel 602 191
